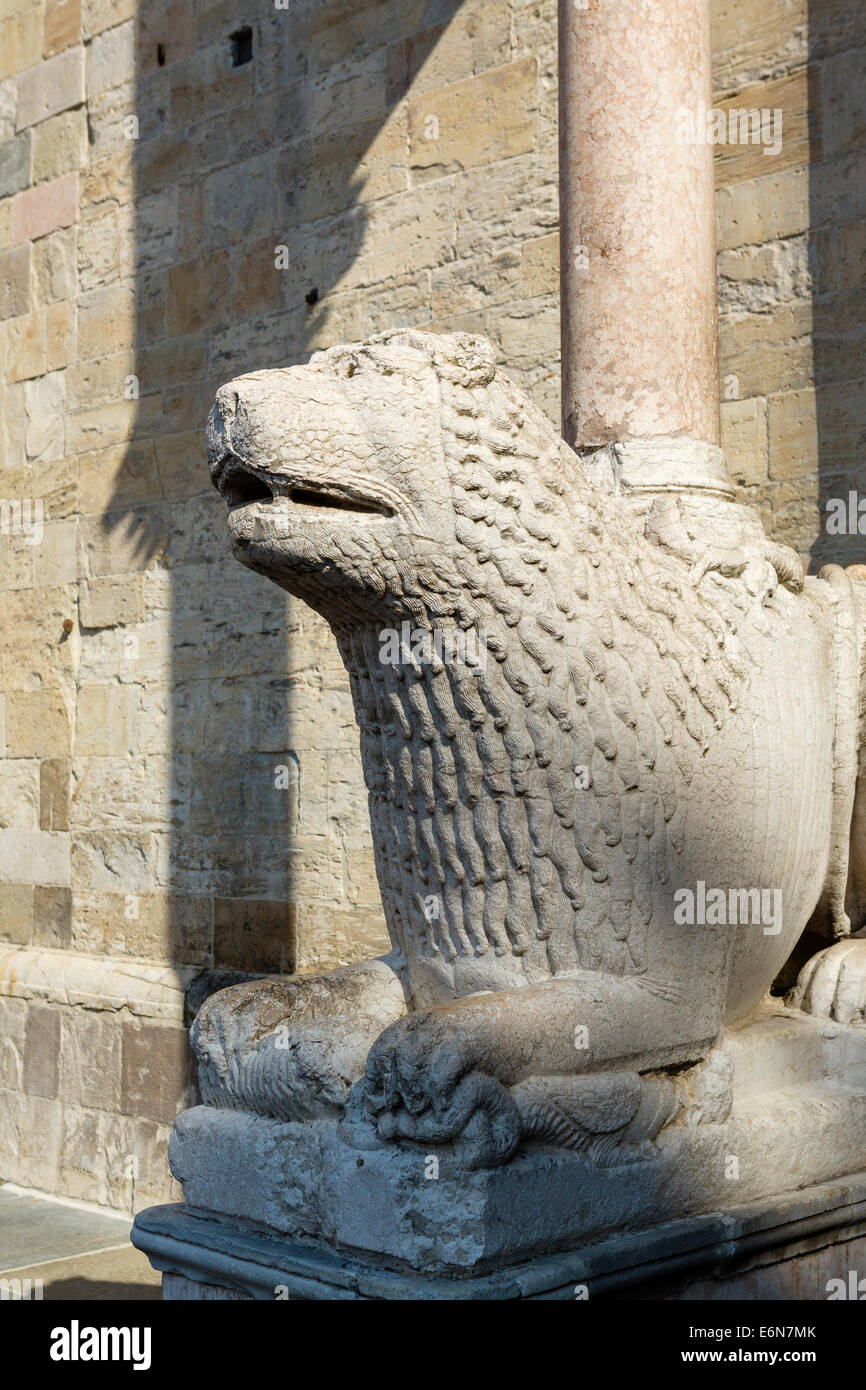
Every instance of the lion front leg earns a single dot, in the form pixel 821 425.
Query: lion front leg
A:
pixel 446 1074
pixel 292 1047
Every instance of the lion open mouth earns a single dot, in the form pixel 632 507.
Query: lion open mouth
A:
pixel 240 487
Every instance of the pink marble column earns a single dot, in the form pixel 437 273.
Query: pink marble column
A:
pixel 639 307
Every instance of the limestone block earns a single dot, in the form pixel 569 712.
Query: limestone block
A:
pixel 110 602
pixel 62 26
pixel 101 381
pixel 157 1071
pixel 19 794
pixel 477 38
pixel 97 15
pixel 42 1052
pixel 52 918
pixel 181 358
pixel 60 144
pixel 54 266
pixel 372 158
pixel 143 988
pixel 850 255
pixel 106 321
pixel 118 476
pixel 90 1053
pixel 118 793
pixel 20 42
pixel 745 439
pixel 40 1135
pixel 12 1108
pixel 406 232
pixel 5 225
pixel 13 1019
pixel 15 164
pixel 8 102
pixel 167 926
pixel 95 1149
pixel 763 208
pixel 54 794
pixel 758 279
pixel 476 284
pixel 106 862
pixel 32 656
pixel 766 353
pixel 98 251
pixel 37 724
pixel 43 209
pixel 14 282
pixel 50 87
pixel 55 558
pixel 474 122
pixel 148 233
pixel 205 84
pixel 35 856
pixel 47 346
pixel 751 39
pixel 798 140
pixel 510 202
pixel 844 123
pixel 106 425
pixel 793 434
pixel 111 59
pixel 196 294
pixel 16 912
pixel 541 265
pixel 255 935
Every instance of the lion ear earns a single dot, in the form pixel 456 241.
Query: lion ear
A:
pixel 473 356
pixel 465 358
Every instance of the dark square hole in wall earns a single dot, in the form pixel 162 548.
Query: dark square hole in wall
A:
pixel 242 47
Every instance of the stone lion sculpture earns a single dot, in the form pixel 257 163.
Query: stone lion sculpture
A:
pixel 611 747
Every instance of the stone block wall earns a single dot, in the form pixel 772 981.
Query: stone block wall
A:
pixel 792 265
pixel 194 188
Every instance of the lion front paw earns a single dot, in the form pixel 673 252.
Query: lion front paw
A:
pixel 833 983
pixel 421 1084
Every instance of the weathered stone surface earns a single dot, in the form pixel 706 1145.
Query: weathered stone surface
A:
pixel 42 1053
pixel 14 282
pixel 62 26
pixel 16 912
pixel 52 918
pixel 54 266
pixel 15 164
pixel 477 121
pixel 54 795
pixel 90 1056
pixel 19 794
pixel 255 935
pixel 59 145
pixel 50 87
pixel 37 724
pixel 745 439
pixel 43 209
pixel 156 1071
pixel 20 41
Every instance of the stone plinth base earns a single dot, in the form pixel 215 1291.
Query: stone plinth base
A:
pixel 272 1204
pixel 790 1248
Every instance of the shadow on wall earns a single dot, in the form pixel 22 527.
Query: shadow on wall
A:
pixel 257 129
pixel 835 414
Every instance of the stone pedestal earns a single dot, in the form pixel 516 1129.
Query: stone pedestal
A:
pixel 296 1210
